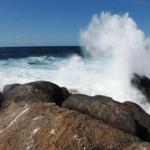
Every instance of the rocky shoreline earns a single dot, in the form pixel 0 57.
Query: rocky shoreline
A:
pixel 44 116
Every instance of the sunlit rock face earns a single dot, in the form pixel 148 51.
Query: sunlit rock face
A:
pixel 43 126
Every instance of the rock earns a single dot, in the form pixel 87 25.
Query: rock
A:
pixel 143 84
pixel 1 99
pixel 65 93
pixel 46 126
pixel 9 87
pixel 35 91
pixel 102 108
pixel 141 118
pixel 139 146
pixel 130 119
pixel 74 91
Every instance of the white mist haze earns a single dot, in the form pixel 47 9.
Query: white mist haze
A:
pixel 122 50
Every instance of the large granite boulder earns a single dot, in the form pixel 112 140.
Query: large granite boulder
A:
pixel 46 126
pixel 121 116
pixel 139 146
pixel 35 91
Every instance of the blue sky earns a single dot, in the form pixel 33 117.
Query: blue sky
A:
pixel 58 22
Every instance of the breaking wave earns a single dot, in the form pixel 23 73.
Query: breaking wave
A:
pixel 114 49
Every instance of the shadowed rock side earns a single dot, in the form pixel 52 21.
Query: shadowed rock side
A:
pixel 141 118
pixel 128 117
pixel 40 91
pixel 139 146
pixel 45 126
pixel 1 99
pixel 143 84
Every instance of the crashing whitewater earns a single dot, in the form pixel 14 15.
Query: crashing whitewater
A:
pixel 122 49
pixel 114 47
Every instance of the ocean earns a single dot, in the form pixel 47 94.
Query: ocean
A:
pixel 114 50
pixel 26 64
pixel 67 66
pixel 36 51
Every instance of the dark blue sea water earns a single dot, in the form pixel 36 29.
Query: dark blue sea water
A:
pixel 56 51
